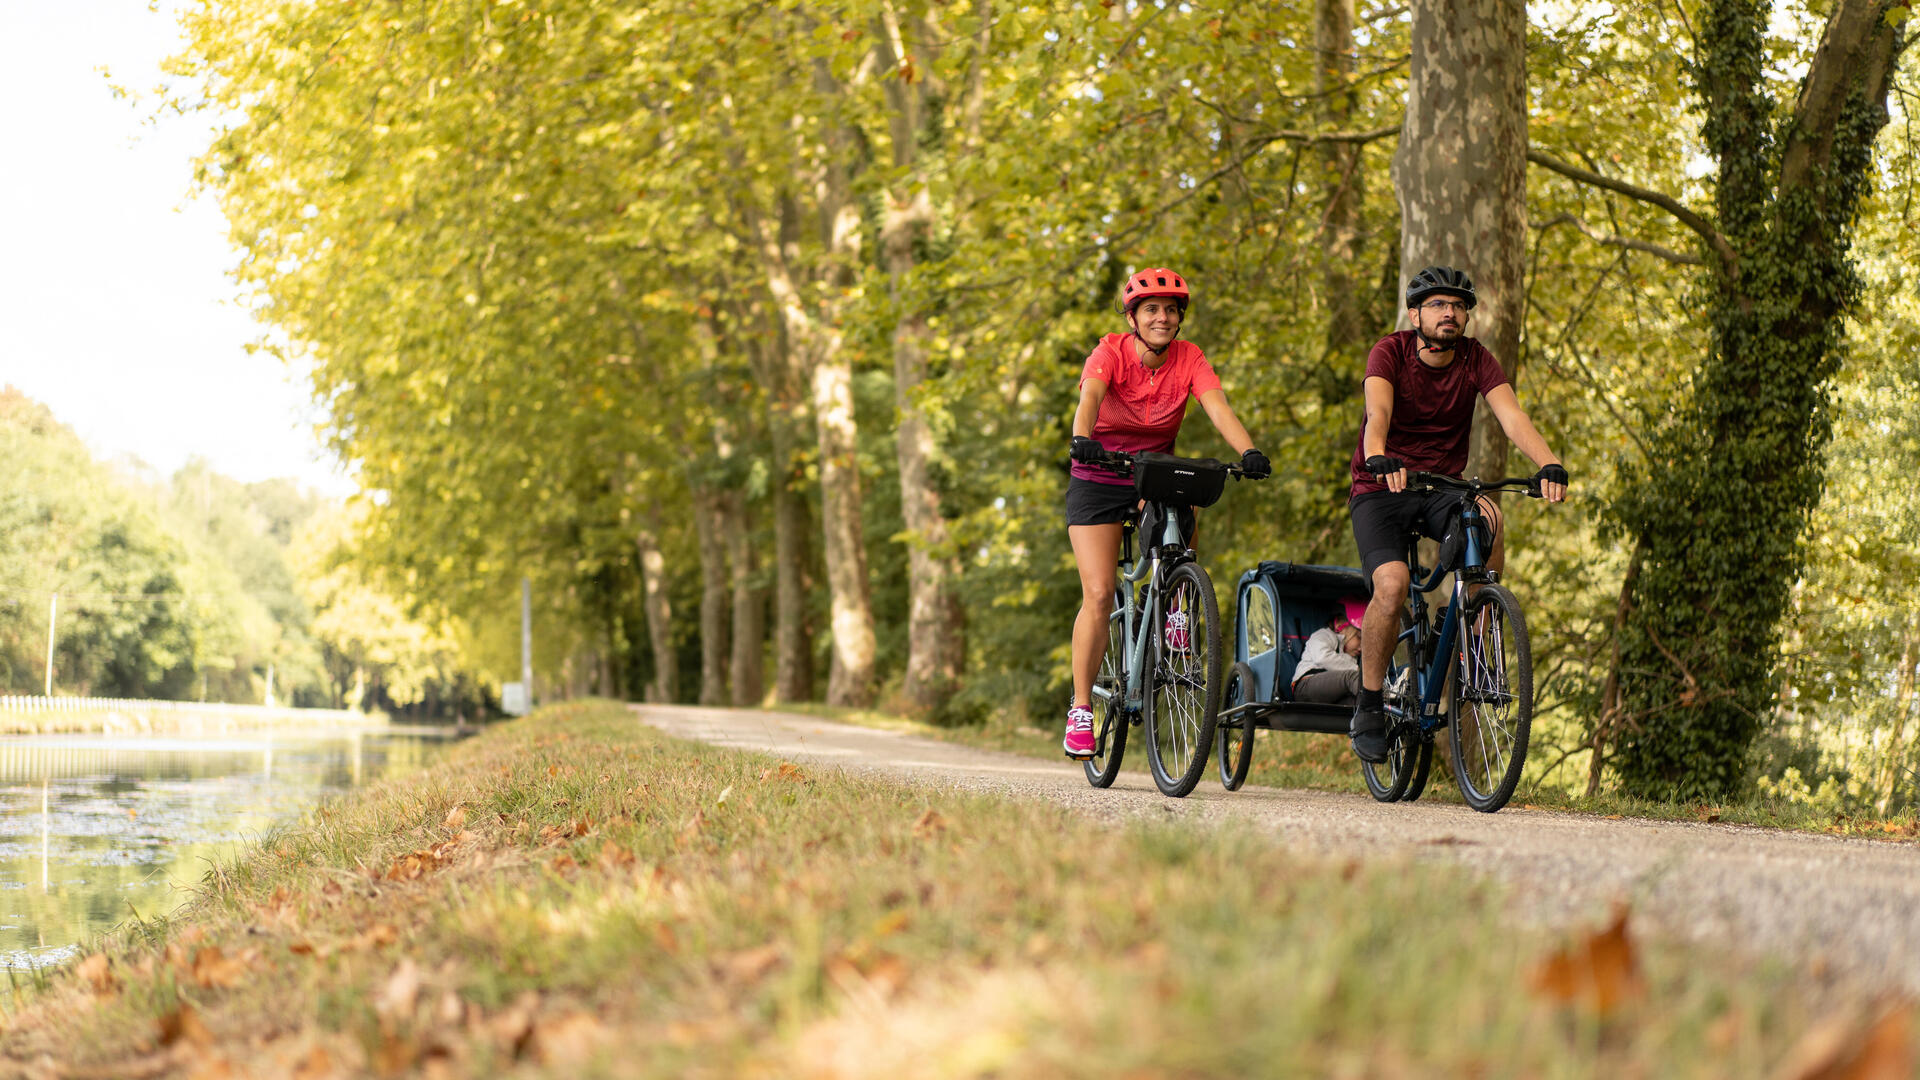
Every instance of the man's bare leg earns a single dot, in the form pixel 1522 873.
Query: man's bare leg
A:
pixel 1382 625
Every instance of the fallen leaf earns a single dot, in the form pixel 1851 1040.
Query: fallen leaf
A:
pixel 183 1024
pixel 400 992
pixel 564 863
pixel 456 817
pixel 133 815
pixel 569 1039
pixel 1602 972
pixel 511 1026
pixel 929 825
pixel 452 1008
pixel 97 973
pixel 377 936
pixel 612 854
pixel 891 923
pixel 213 968
pixel 1837 1049
pixel 750 965
pixel 724 792
pixel 317 1065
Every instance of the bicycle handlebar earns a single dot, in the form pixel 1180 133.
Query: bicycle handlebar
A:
pixel 1122 462
pixel 1432 481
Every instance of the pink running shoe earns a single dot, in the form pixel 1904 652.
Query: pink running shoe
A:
pixel 1178 639
pixel 1079 741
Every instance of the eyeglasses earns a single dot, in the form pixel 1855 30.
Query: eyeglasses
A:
pixel 1438 306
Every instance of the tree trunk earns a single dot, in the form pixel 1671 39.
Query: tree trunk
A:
pixel 936 639
pixel 850 679
pixel 748 666
pixel 710 532
pixel 659 610
pixel 792 641
pixel 1894 756
pixel 1461 174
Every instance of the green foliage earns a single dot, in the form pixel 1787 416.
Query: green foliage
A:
pixel 525 254
pixel 1720 517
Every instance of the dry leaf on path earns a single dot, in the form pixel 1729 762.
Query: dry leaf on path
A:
pixel 1602 972
pixel 1837 1049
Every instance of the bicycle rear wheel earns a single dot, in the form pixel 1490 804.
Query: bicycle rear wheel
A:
pixel 1492 699
pixel 1235 738
pixel 1185 700
pixel 1110 705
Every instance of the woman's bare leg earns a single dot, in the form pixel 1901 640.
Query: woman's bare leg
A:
pixel 1096 552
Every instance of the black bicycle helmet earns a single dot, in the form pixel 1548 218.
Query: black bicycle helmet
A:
pixel 1439 279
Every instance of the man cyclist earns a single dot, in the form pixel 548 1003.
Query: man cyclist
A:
pixel 1420 388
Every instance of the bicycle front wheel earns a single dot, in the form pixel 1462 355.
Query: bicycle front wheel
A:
pixel 1185 702
pixel 1110 705
pixel 1492 700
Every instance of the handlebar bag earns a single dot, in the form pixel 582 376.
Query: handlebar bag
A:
pixel 1178 481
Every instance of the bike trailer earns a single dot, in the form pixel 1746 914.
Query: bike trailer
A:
pixel 1281 605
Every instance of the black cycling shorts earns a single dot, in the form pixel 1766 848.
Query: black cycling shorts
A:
pixel 1385 522
pixel 1090 502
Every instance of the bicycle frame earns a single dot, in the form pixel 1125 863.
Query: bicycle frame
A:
pixel 1133 631
pixel 1430 679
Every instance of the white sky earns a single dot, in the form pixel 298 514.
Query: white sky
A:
pixel 115 308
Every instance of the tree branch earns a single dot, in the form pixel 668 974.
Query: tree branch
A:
pixel 1627 242
pixel 1665 202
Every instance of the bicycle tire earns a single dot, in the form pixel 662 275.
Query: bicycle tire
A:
pixel 1422 767
pixel 1387 781
pixel 1183 701
pixel 1110 715
pixel 1234 747
pixel 1493 700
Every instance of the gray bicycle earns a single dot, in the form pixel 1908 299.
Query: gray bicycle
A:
pixel 1162 666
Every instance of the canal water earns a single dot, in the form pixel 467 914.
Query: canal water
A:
pixel 95 829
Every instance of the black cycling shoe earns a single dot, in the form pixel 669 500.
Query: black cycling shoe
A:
pixel 1368 733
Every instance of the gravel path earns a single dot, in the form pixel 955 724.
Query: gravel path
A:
pixel 1847 908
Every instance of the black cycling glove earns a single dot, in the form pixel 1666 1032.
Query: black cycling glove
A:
pixel 1087 450
pixel 1382 466
pixel 1551 474
pixel 1255 465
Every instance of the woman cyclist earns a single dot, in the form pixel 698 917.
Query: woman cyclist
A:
pixel 1133 397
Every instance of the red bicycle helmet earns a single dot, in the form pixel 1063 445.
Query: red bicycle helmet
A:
pixel 1157 281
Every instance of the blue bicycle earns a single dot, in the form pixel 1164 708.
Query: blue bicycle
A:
pixel 1473 657
pixel 1162 665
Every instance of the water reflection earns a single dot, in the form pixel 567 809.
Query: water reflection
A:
pixel 94 829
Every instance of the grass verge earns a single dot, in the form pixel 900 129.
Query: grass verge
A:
pixel 1326 763
pixel 573 894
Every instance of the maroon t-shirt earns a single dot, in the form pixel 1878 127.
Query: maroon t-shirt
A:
pixel 1432 407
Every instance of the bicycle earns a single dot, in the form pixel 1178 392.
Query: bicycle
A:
pixel 1162 665
pixel 1487 679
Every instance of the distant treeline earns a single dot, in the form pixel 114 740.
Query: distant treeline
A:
pixel 196 587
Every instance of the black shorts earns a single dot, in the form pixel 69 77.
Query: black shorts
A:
pixel 1090 502
pixel 1385 522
